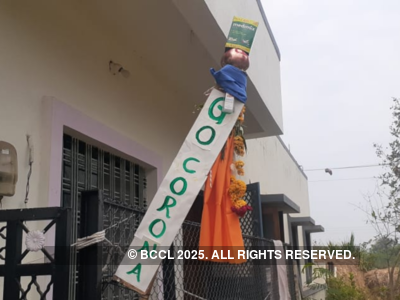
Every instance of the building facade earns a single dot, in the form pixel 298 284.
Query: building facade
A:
pixel 285 202
pixel 92 128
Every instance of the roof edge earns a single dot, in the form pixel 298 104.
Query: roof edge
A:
pixel 277 200
pixel 291 155
pixel 260 6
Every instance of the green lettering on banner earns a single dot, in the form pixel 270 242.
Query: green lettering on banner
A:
pixel 172 186
pixel 210 140
pixel 186 161
pixel 167 205
pixel 221 117
pixel 146 247
pixel 136 270
pixel 152 224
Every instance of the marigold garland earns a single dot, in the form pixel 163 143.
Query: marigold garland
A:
pixel 238 143
pixel 240 203
pixel 237 188
pixel 239 167
pixel 241 116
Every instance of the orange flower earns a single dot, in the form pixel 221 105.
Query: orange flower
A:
pixel 239 164
pixel 237 189
pixel 239 203
pixel 241 115
pixel 239 167
pixel 238 143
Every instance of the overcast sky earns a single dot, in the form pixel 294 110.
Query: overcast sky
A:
pixel 340 68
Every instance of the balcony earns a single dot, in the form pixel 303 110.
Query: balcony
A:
pixel 210 20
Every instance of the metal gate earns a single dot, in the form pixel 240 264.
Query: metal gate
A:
pixel 26 279
pixel 123 185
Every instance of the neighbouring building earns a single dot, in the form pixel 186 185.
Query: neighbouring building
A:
pixel 91 129
pixel 285 202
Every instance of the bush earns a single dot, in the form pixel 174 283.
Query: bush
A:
pixel 367 261
pixel 341 289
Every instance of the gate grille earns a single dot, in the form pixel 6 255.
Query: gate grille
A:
pixel 34 279
pixel 87 167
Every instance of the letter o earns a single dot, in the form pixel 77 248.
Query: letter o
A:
pixel 210 140
pixel 152 224
pixel 172 186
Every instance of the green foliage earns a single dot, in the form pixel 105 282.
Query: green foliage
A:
pixel 341 289
pixel 385 259
pixel 316 273
pixel 367 261
pixel 345 245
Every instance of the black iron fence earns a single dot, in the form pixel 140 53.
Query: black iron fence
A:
pixel 197 279
pixel 290 267
pixel 176 278
pixel 40 278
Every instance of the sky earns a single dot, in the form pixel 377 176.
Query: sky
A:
pixel 340 69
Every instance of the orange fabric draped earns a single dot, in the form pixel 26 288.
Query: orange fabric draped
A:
pixel 220 227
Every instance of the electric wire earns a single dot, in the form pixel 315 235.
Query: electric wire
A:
pixel 344 179
pixel 348 167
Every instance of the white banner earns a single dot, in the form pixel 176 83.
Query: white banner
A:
pixel 179 189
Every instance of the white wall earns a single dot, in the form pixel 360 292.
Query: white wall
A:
pixel 53 49
pixel 269 163
pixel 59 52
pixel 320 295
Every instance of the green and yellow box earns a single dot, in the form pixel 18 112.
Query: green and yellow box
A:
pixel 241 35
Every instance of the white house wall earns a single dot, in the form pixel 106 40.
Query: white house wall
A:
pixel 54 53
pixel 49 51
pixel 269 163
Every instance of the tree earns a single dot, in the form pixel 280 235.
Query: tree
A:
pixel 383 208
pixel 383 252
